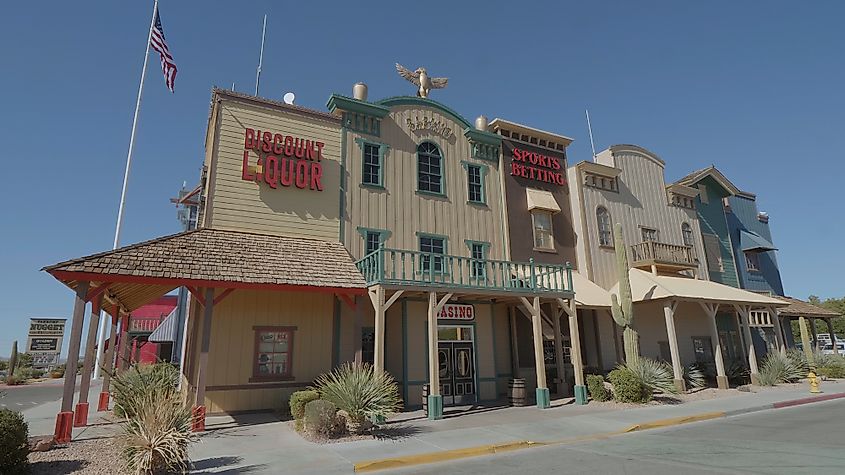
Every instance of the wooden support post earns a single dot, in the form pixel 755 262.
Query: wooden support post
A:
pixel 780 338
pixel 108 362
pixel 123 347
pixel 677 366
pixel 358 332
pixel 198 412
pixel 64 419
pixel 562 388
pixel 542 391
pixel 80 416
pixel 435 399
pixel 749 343
pixel 815 334
pixel 721 377
pixel 377 298
pixel 514 344
pixel 832 335
pixel 576 354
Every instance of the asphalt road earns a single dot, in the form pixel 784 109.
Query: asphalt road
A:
pixel 802 439
pixel 27 396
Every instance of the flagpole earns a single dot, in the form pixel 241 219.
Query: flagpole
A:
pixel 260 56
pixel 101 331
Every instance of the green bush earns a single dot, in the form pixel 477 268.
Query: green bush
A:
pixel 37 373
pixel 321 418
pixel 627 387
pixel 737 373
pixel 778 368
pixel 653 375
pixel 14 380
pixel 14 443
pixel 360 392
pixel 595 384
pixel 693 377
pixel 133 388
pixel 832 371
pixel 299 399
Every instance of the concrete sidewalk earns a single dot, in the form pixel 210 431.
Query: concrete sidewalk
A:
pixel 251 444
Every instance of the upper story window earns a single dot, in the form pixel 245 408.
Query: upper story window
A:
pixel 682 201
pixel 434 247
pixel 605 229
pixel 649 234
pixel 429 168
pixel 475 184
pixel 601 182
pixel 478 253
pixel 686 232
pixel 542 222
pixel 372 165
pixel 752 261
pixel 372 241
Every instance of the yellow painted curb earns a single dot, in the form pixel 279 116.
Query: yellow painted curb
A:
pixel 432 457
pixel 674 421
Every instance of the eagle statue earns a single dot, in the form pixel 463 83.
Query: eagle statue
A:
pixel 421 79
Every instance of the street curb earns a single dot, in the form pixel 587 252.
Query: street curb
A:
pixel 442 456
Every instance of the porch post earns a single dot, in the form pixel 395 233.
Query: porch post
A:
pixel 378 305
pixel 536 325
pixel 435 400
pixel 198 412
pixel 514 344
pixel 562 389
pixel 677 367
pixel 814 333
pixel 64 419
pixel 779 337
pixel 80 418
pixel 721 376
pixel 575 354
pixel 832 335
pixel 122 347
pixel 108 362
pixel 357 332
pixel 749 342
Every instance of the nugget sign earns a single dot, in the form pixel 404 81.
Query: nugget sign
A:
pixel 457 311
pixel 283 160
pixel 45 341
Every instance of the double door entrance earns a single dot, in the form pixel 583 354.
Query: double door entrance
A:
pixel 456 359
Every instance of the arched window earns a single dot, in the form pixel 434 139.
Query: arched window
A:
pixel 686 231
pixel 429 168
pixel 605 230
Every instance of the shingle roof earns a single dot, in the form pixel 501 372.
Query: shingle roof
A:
pixel 800 308
pixel 213 258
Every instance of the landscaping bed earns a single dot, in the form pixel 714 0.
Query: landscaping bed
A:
pixel 95 456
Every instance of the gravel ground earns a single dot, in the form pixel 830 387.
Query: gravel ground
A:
pixel 671 399
pixel 95 456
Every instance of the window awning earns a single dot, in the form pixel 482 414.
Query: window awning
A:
pixel 750 241
pixel 167 330
pixel 541 199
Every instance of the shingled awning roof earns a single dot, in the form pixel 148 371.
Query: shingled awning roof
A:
pixel 800 308
pixel 139 273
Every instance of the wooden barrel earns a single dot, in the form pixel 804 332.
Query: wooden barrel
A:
pixel 516 392
pixel 425 399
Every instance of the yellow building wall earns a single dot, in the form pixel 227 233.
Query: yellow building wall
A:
pixel 690 321
pixel 236 204
pixel 232 349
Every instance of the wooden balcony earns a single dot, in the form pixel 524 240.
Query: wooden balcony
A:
pixel 663 256
pixel 403 268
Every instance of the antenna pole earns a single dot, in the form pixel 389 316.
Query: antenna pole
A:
pixel 260 55
pixel 590 129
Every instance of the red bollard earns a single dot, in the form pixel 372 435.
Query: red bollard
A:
pixel 64 427
pixel 198 419
pixel 80 416
pixel 103 403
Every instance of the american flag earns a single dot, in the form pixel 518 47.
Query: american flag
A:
pixel 168 67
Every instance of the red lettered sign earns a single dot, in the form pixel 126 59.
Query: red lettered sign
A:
pixel 283 160
pixel 536 166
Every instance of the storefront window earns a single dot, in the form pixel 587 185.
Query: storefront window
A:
pixel 273 351
pixel 429 168
pixel 542 221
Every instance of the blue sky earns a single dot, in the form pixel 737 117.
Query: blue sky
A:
pixel 755 88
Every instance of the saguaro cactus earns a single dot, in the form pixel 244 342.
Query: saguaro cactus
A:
pixel 805 344
pixel 623 312
pixel 13 359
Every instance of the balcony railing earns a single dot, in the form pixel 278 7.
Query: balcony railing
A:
pixel 145 324
pixel 415 268
pixel 659 253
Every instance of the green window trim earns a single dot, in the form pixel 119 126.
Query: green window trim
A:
pixel 479 272
pixel 482 171
pixel 421 235
pixel 384 235
pixel 442 192
pixel 382 151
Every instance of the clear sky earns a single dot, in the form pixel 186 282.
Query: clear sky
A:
pixel 755 88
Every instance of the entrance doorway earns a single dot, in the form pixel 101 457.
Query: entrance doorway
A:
pixel 456 359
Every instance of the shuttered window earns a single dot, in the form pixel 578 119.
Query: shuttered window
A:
pixel 713 250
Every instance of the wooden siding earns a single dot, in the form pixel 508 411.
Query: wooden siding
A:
pixel 401 210
pixel 743 215
pixel 236 204
pixel 641 201
pixel 711 216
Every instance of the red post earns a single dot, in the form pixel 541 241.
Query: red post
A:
pixel 64 419
pixel 108 363
pixel 80 418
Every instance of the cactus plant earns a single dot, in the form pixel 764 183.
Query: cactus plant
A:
pixel 623 312
pixel 805 343
pixel 13 359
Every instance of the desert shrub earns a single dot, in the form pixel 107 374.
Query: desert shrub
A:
pixel 693 377
pixel 321 418
pixel 834 372
pixel 778 368
pixel 14 444
pixel 299 399
pixel 156 436
pixel 37 373
pixel 627 387
pixel 595 385
pixel 57 373
pixel 653 375
pixel 24 373
pixel 142 383
pixel 360 392
pixel 14 380
pixel 737 373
